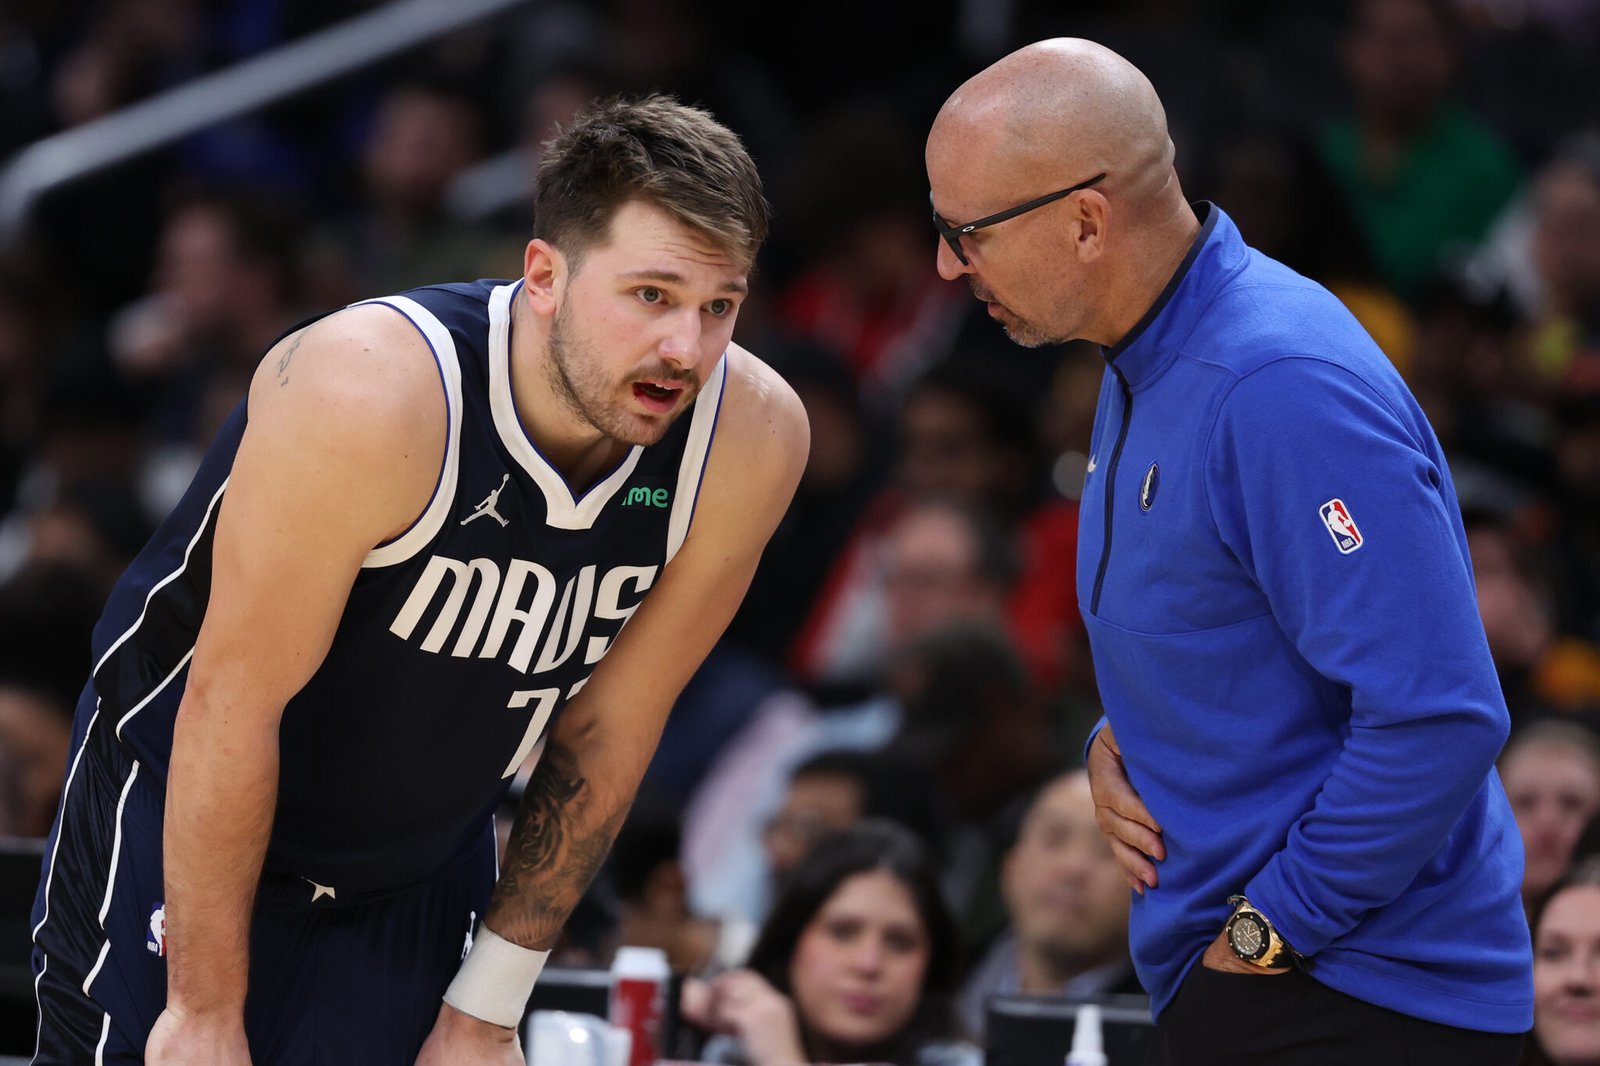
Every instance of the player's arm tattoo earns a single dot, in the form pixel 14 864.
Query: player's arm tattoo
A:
pixel 557 844
pixel 288 354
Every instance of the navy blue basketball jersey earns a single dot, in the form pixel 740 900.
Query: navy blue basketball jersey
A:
pixel 462 639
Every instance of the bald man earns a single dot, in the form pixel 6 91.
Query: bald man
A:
pixel 1296 768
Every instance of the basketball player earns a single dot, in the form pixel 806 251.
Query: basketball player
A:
pixel 1276 585
pixel 458 526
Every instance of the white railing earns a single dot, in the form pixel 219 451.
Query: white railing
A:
pixel 292 68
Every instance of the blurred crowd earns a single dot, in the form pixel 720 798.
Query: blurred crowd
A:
pixel 910 653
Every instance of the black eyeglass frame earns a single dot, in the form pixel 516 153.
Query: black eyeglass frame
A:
pixel 952 234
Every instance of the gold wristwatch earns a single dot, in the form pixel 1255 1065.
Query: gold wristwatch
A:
pixel 1253 939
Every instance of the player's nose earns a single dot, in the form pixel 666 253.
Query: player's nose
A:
pixel 680 344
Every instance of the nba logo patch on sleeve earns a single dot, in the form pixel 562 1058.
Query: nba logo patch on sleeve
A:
pixel 1341 527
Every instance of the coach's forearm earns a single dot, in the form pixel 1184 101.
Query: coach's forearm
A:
pixel 221 791
pixel 574 805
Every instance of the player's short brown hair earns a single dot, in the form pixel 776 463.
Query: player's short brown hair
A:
pixel 656 150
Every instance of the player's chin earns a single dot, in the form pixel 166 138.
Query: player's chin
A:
pixel 644 430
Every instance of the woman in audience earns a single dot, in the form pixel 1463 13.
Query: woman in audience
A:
pixel 1566 972
pixel 1551 771
pixel 855 964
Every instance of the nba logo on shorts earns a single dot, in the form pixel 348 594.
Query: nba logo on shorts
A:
pixel 155 937
pixel 1341 527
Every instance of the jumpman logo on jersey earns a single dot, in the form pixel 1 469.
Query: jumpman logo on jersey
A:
pixel 318 891
pixel 487 507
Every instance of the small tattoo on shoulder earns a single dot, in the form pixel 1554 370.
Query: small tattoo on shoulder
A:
pixel 283 360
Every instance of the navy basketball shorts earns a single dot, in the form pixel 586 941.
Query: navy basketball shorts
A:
pixel 332 980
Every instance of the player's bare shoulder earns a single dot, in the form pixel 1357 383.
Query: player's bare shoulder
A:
pixel 762 431
pixel 354 397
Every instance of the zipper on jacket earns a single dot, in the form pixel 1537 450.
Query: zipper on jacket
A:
pixel 1111 481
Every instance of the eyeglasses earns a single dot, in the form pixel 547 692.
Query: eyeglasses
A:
pixel 952 234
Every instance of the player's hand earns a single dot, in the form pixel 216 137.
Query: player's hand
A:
pixel 179 1039
pixel 1219 956
pixel 1134 835
pixel 744 1004
pixel 461 1040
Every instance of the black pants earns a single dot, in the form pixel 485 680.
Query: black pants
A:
pixel 1291 1019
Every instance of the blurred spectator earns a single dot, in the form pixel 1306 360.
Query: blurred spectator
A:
pixel 856 964
pixel 646 878
pixel 1420 173
pixel 1068 908
pixel 857 207
pixel 974 718
pixel 226 283
pixel 841 478
pixel 46 615
pixel 730 688
pixel 1541 670
pixel 934 561
pixel 956 705
pixel 78 500
pixel 132 48
pixel 1566 258
pixel 963 440
pixel 28 331
pixel 1471 375
pixel 424 136
pixel 1574 553
pixel 1566 972
pixel 834 790
pixel 1551 772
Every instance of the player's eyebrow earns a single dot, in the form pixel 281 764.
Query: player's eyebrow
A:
pixel 672 277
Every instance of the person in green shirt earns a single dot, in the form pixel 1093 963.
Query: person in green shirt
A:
pixel 1420 172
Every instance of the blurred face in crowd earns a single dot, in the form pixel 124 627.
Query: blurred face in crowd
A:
pixel 1566 236
pixel 859 964
pixel 1554 791
pixel 34 740
pixel 933 574
pixel 945 450
pixel 420 142
pixel 1516 620
pixel 1400 59
pixel 643 319
pixel 815 805
pixel 198 264
pixel 1061 884
pixel 1566 977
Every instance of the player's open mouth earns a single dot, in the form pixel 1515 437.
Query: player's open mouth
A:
pixel 656 397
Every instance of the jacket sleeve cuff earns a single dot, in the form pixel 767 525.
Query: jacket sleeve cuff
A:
pixel 1094 731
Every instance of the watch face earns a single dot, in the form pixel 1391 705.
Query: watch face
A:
pixel 1246 936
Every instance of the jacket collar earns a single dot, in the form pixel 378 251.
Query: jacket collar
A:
pixel 1151 345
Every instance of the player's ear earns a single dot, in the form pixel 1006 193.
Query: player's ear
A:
pixel 544 271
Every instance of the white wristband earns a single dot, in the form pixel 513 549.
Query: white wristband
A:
pixel 496 979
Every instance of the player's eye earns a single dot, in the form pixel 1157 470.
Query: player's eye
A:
pixel 720 308
pixel 651 295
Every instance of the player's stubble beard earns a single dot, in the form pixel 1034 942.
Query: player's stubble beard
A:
pixel 575 377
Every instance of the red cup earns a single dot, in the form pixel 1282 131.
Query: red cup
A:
pixel 638 999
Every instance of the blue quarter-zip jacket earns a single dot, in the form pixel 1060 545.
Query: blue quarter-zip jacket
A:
pixel 1278 594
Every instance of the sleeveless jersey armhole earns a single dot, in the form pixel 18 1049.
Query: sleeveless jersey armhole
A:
pixel 432 518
